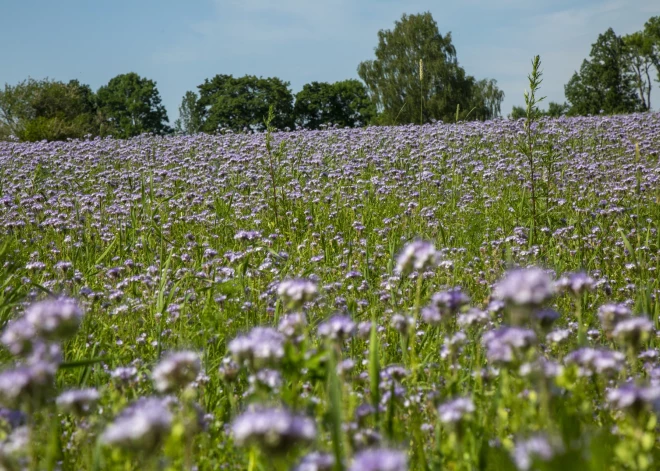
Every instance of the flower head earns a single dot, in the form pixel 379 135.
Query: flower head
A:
pixel 143 425
pixel 527 288
pixel 419 256
pixel 175 371
pixel 295 293
pixel 380 459
pixel 453 411
pixel 273 430
pixel 338 327
pixel 56 319
pixel 78 401
pixel 262 346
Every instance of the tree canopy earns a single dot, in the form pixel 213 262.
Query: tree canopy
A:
pixel 131 105
pixel 34 110
pixel 242 103
pixel 344 103
pixel 415 76
pixel 605 83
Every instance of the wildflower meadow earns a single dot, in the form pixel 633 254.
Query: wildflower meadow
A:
pixel 472 296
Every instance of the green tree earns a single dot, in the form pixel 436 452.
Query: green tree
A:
pixel 344 103
pixel 242 103
pixel 131 105
pixel 415 75
pixel 652 33
pixel 191 117
pixel 604 83
pixel 639 54
pixel 34 110
pixel 555 110
pixel 486 100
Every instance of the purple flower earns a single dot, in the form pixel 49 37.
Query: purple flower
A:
pixel 380 459
pixel 78 401
pixel 633 332
pixel 293 324
pixel 507 344
pixel 596 361
pixel 338 327
pixel 634 399
pixel 273 430
pixel 56 319
pixel 418 256
pixel 536 448
pixel 575 283
pixel 450 302
pixel 316 461
pixel 19 336
pixel 455 410
pixel 611 314
pixel 262 346
pixel 32 384
pixel 143 425
pixel 528 287
pixel 177 370
pixel 295 293
pixel 473 317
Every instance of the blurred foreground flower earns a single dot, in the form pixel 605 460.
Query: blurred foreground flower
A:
pixel 176 371
pixel 78 401
pixel 143 425
pixel 380 459
pixel 418 256
pixel 273 430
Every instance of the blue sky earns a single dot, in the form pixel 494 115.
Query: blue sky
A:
pixel 180 43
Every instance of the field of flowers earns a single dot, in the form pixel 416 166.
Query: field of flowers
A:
pixel 376 299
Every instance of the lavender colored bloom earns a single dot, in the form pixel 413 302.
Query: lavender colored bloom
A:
pixel 364 329
pixel 316 461
pixel 247 235
pixel 143 425
pixel 558 336
pixel 401 323
pixel 529 287
pixel 124 374
pixel 338 327
pixel 575 283
pixel 175 371
pixel 473 317
pixel 14 448
pixel 633 332
pixel 273 430
pixel 11 417
pixel 78 401
pixel 293 324
pixel 536 448
pixel 507 344
pixel 596 361
pixel 228 369
pixel 56 319
pixel 295 293
pixel 450 302
pixel 380 459
pixel 19 336
pixel 31 383
pixel 419 256
pixel 634 399
pixel 546 317
pixel 455 410
pixel 611 314
pixel 262 346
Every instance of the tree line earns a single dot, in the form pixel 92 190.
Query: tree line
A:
pixel 415 77
pixel 617 77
